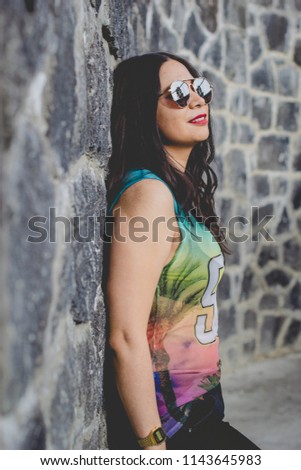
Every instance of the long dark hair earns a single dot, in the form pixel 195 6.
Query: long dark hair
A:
pixel 137 142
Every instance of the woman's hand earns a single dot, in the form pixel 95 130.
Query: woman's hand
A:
pixel 161 446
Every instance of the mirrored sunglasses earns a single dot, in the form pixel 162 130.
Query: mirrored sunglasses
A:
pixel 179 90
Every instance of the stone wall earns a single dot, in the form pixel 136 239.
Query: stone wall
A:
pixel 56 63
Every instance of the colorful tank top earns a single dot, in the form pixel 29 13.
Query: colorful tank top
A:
pixel 183 324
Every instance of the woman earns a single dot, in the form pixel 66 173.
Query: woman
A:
pixel 165 261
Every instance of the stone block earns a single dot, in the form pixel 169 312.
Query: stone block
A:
pixel 288 116
pixel 240 102
pixel 35 432
pixel 250 320
pixel 213 56
pixel 276 30
pixel 208 13
pixel 293 332
pixel 61 90
pixel 219 128
pixel 118 13
pixel 262 111
pixel 86 244
pixel 267 253
pixel 288 81
pixel 249 284
pixel 237 164
pixel 298 5
pixel 296 196
pixel 292 254
pixel 273 152
pixel 297 52
pixel 96 117
pixel 224 287
pixel 261 186
pixel 235 57
pixel 218 167
pixel 299 225
pixel 194 36
pixel 155 31
pixel 278 277
pixel 234 257
pixel 169 40
pixel 64 404
pixel 255 48
pixel 227 322
pixel 297 156
pixel 241 133
pixel 270 330
pixel 249 347
pixel 235 13
pixel 280 4
pixel 167 5
pixel 285 223
pixel 30 272
pixel 293 299
pixel 268 302
pixel 95 4
pixel 226 210
pixel 279 185
pixel 263 78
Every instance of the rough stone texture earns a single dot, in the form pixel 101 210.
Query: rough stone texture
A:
pixel 270 331
pixel 194 37
pixel 235 68
pixel 263 77
pixel 276 28
pixel 297 52
pixel 54 70
pixel 267 253
pixel 273 152
pixel 209 13
pixel 284 224
pixel 262 111
pixel 56 65
pixel 255 48
pixel 250 320
pixel 261 186
pixel 296 196
pixel 288 116
pixel 289 81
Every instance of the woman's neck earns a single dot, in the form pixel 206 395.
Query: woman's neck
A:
pixel 179 156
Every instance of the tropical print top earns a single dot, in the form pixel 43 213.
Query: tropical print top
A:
pixel 183 324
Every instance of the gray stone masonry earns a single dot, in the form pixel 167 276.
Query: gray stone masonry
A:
pixel 56 63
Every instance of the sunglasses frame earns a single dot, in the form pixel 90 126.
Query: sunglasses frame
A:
pixel 190 86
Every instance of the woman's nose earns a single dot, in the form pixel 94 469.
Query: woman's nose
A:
pixel 195 99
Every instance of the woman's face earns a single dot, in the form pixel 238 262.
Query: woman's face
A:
pixel 173 121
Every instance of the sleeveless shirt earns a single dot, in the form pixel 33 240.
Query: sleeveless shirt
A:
pixel 182 328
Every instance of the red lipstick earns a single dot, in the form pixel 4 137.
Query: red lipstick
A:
pixel 199 119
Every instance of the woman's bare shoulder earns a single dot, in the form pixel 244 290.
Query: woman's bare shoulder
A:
pixel 151 196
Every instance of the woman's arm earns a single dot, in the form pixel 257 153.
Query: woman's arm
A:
pixel 134 270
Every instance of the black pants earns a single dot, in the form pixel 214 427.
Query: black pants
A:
pixel 206 430
pixel 220 437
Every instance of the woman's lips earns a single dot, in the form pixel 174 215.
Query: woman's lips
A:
pixel 199 120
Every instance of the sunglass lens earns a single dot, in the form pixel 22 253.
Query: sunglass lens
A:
pixel 180 93
pixel 203 88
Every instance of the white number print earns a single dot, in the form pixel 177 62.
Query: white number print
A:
pixel 207 323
